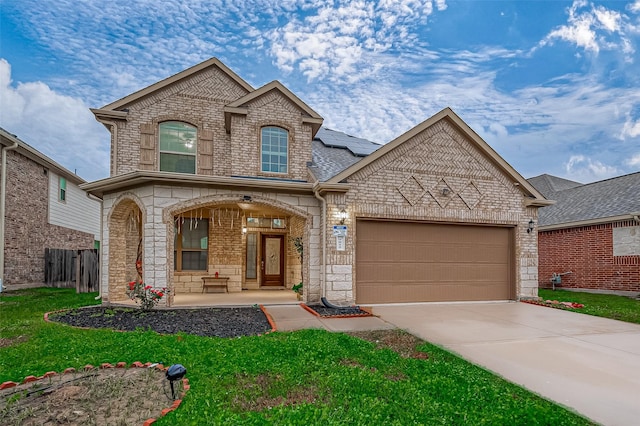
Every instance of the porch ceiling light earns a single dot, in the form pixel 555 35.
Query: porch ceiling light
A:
pixel 343 216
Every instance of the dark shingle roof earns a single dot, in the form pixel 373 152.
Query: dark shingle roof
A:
pixel 335 151
pixel 599 200
pixel 547 184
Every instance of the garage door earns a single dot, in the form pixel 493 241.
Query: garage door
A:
pixel 419 262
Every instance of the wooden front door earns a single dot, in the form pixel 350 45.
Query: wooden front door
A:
pixel 272 263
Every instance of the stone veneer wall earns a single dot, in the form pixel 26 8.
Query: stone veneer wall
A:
pixel 294 267
pixel 406 184
pixel 162 202
pixel 27 228
pixel 588 253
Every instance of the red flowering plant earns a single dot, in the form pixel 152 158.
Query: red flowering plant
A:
pixel 145 295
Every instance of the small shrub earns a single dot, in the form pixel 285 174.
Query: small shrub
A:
pixel 145 295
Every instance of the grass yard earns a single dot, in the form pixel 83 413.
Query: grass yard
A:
pixel 304 377
pixel 602 305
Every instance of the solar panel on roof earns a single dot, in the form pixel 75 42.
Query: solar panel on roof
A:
pixel 358 146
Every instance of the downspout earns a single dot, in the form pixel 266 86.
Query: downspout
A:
pixel 114 143
pixel 93 197
pixel 3 185
pixel 323 268
pixel 114 162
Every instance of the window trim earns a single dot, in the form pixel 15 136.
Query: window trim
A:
pixel 178 250
pixel 161 151
pixel 288 133
pixel 62 189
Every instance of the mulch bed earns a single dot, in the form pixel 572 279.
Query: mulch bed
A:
pixel 566 306
pixel 218 322
pixel 346 312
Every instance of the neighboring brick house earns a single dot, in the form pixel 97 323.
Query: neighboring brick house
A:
pixel 211 175
pixel 592 231
pixel 44 208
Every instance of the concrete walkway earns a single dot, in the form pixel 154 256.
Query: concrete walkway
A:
pixel 589 364
pixel 294 317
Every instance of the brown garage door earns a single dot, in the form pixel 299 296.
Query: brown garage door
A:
pixel 419 262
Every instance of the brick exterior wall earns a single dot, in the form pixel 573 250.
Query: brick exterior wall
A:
pixel 27 231
pixel 271 109
pixel 588 253
pixel 197 100
pixel 406 184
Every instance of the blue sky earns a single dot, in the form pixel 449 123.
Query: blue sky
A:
pixel 552 86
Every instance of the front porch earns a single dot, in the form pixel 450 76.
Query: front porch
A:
pixel 243 298
pixel 248 248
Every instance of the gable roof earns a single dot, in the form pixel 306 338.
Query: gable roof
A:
pixel 237 106
pixel 598 202
pixel 213 62
pixel 536 198
pixel 8 139
pixel 548 184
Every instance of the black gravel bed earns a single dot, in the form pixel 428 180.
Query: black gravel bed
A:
pixel 323 311
pixel 219 322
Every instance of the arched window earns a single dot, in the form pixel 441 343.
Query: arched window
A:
pixel 274 150
pixel 177 147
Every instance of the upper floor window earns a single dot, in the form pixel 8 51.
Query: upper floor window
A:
pixel 274 150
pixel 62 195
pixel 177 147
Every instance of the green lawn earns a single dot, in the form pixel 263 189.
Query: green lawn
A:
pixel 602 305
pixel 326 378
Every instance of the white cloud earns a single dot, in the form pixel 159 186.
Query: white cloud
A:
pixel 579 31
pixel 610 19
pixel 634 7
pixel 338 41
pixel 594 28
pixel 634 161
pixel 584 169
pixel 61 127
pixel 631 128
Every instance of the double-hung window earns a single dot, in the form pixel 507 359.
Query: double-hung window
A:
pixel 274 150
pixel 177 147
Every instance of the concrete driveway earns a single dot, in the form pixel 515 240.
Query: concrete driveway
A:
pixel 589 364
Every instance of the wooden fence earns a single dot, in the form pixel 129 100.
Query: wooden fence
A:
pixel 71 269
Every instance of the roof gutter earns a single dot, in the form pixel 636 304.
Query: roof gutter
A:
pixel 106 118
pixel 635 216
pixel 3 192
pixel 145 177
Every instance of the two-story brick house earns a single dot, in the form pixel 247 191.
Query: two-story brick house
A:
pixel 211 175
pixel 41 206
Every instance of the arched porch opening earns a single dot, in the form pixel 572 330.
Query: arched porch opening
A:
pixel 248 244
pixel 125 247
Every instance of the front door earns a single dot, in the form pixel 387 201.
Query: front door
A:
pixel 272 262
